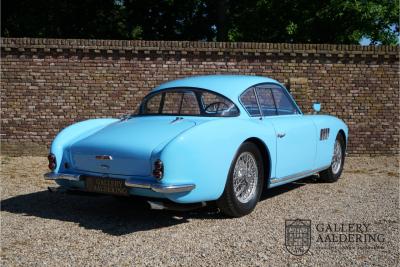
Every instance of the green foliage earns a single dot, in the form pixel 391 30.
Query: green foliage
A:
pixel 62 19
pixel 318 21
pixel 301 21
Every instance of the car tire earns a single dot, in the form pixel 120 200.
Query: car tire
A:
pixel 244 183
pixel 332 174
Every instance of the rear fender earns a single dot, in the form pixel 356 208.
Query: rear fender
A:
pixel 74 133
pixel 203 155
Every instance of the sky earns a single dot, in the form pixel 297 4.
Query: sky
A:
pixel 367 41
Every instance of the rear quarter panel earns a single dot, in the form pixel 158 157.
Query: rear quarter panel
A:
pixel 203 155
pixel 74 133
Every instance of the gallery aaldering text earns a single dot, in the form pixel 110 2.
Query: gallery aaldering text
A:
pixel 347 232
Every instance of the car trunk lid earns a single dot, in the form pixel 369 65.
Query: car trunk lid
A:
pixel 125 148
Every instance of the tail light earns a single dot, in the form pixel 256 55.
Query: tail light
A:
pixel 158 170
pixel 52 161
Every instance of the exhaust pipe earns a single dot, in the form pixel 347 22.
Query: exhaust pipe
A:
pixel 54 189
pixel 159 205
pixel 154 205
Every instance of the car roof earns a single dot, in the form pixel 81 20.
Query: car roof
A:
pixel 230 86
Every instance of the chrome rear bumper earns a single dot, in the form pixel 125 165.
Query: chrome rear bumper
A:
pixel 131 183
pixel 160 188
pixel 63 176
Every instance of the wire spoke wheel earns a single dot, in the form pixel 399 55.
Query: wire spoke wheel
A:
pixel 245 177
pixel 244 183
pixel 337 157
pixel 333 173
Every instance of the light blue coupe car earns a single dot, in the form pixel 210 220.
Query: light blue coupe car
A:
pixel 217 138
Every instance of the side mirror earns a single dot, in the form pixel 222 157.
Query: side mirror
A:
pixel 317 107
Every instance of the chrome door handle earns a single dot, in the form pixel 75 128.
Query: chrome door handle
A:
pixel 280 135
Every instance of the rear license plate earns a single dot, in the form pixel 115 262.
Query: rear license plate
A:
pixel 106 185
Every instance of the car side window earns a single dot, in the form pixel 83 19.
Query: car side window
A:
pixel 284 104
pixel 266 100
pixel 249 101
pixel 153 104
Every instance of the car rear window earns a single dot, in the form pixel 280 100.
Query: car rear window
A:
pixel 188 102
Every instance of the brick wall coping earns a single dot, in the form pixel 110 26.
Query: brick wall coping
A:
pixel 111 46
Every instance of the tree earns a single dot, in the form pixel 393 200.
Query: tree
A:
pixel 62 19
pixel 301 21
pixel 314 21
pixel 170 20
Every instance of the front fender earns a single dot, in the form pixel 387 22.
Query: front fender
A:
pixel 74 133
pixel 325 147
pixel 203 155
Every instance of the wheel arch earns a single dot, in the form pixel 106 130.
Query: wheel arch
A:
pixel 210 186
pixel 266 156
pixel 341 132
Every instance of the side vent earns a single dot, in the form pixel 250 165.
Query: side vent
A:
pixel 324 134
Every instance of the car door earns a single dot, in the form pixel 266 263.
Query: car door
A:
pixel 295 133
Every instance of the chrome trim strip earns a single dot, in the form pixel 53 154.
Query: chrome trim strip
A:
pixel 244 107
pixel 55 176
pixel 160 188
pixel 258 102
pixel 298 175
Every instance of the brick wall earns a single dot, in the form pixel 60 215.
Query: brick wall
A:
pixel 47 84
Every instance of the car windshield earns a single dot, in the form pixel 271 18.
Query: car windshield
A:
pixel 187 102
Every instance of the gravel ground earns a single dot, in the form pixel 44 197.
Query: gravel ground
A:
pixel 52 229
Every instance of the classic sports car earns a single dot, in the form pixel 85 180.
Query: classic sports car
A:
pixel 201 139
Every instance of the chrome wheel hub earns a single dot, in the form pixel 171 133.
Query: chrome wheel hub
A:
pixel 337 158
pixel 245 177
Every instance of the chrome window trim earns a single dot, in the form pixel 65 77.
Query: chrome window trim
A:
pixel 291 99
pixel 258 101
pixel 189 88
pixel 285 91
pixel 244 107
pixel 257 88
